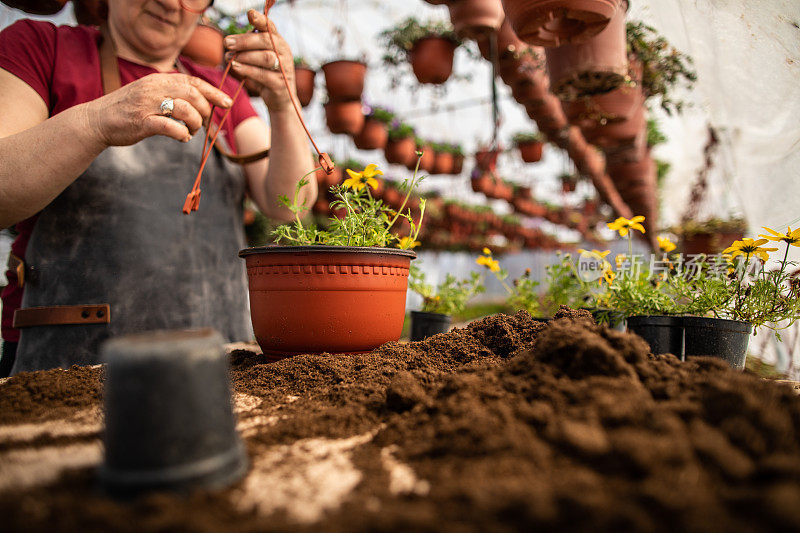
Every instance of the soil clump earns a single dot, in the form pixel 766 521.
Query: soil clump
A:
pixel 506 424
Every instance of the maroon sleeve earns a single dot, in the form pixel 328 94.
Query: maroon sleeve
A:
pixel 27 50
pixel 242 108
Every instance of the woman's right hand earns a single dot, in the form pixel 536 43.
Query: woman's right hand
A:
pixel 133 112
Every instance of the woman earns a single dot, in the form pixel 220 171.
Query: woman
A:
pixel 95 182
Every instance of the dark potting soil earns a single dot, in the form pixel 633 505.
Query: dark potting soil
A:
pixel 508 424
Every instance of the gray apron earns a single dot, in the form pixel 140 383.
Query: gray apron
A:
pixel 117 235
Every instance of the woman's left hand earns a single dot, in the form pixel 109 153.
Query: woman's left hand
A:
pixel 255 61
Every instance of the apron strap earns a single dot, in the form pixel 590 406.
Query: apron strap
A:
pixel 109 70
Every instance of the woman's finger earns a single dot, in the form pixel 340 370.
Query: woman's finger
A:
pixel 183 110
pixel 260 21
pixel 265 60
pixel 201 94
pixel 161 125
pixel 248 41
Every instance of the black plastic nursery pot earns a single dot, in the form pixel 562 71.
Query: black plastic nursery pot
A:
pixel 169 420
pixel 717 337
pixel 687 336
pixel 664 334
pixel 424 325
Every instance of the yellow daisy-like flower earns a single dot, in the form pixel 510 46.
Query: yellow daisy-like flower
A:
pixel 359 180
pixel 487 251
pixel 488 262
pixel 609 275
pixel 790 237
pixel 748 248
pixel 665 244
pixel 407 243
pixel 624 225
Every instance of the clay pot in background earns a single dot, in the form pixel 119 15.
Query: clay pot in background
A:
pixel 557 22
pixel 507 42
pixel 90 12
pixel 616 133
pixel 334 299
pixel 530 151
pixel 344 79
pixel 531 90
pixel 474 18
pixel 373 136
pixel 548 115
pixel 442 163
pixel 481 183
pixel 432 59
pixel 205 46
pixel 325 180
pixel 458 163
pixel 400 151
pixel 636 183
pixel 595 66
pixel 304 82
pixel 593 163
pixel 344 117
pixel 37 7
pixel 426 161
pixel 486 159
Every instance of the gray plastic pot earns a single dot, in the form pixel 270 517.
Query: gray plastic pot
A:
pixel 424 325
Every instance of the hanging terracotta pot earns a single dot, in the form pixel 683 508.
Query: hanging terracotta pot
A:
pixel 442 163
pixel 530 151
pixel 90 12
pixel 326 181
pixel 531 90
pixel 593 163
pixel 486 159
pixel 373 136
pixel 507 41
pixel 321 206
pixel 616 133
pixel 344 79
pixel 432 59
pixel 614 106
pixel 636 183
pixel 344 117
pixel 526 64
pixel 627 152
pixel 575 144
pixel 481 183
pixel 549 115
pixel 400 151
pixel 557 22
pixel 205 46
pixel 426 161
pixel 334 299
pixel 592 67
pixel 458 163
pixel 37 7
pixel 304 82
pixel 474 18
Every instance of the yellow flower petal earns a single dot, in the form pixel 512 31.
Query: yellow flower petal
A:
pixel 637 226
pixel 487 251
pixel 636 219
pixel 353 174
pixel 372 182
pixel 623 232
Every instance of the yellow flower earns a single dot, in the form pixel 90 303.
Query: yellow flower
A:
pixel 624 225
pixel 790 237
pixel 609 275
pixel 359 180
pixel 748 248
pixel 488 262
pixel 620 259
pixel 407 243
pixel 487 251
pixel 665 244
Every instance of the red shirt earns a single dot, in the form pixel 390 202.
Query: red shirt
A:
pixel 62 64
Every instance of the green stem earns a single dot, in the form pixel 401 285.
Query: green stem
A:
pixel 738 302
pixel 408 194
pixel 778 279
pixel 296 194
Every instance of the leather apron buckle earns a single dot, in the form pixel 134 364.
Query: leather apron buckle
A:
pixel 17 265
pixel 57 315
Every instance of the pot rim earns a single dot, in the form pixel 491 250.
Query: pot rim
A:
pixel 324 249
pixel 690 321
pixel 360 62
pixel 655 320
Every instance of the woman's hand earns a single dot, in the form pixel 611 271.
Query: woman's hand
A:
pixel 133 112
pixel 255 61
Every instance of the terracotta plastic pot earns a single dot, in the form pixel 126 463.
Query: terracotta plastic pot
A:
pixel 335 299
pixel 549 116
pixel 601 109
pixel 557 22
pixel 596 66
pixel 529 64
pixel 373 136
pixel 400 151
pixel 531 90
pixel 344 79
pixel 708 243
pixel 344 117
pixel 432 59
pixel 481 183
pixel 507 42
pixel 474 18
pixel 426 161
pixel 458 163
pixel 304 82
pixel 442 163
pixel 37 7
pixel 530 151
pixel 616 133
pixel 486 159
pixel 205 46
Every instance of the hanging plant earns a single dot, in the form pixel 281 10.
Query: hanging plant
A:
pixel 304 77
pixel 429 47
pixel 344 79
pixel 530 145
pixel 401 146
pixel 663 67
pixel 375 134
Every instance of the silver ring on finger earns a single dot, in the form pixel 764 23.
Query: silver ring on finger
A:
pixel 167 107
pixel 276 66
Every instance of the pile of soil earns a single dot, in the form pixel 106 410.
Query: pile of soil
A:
pixel 507 423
